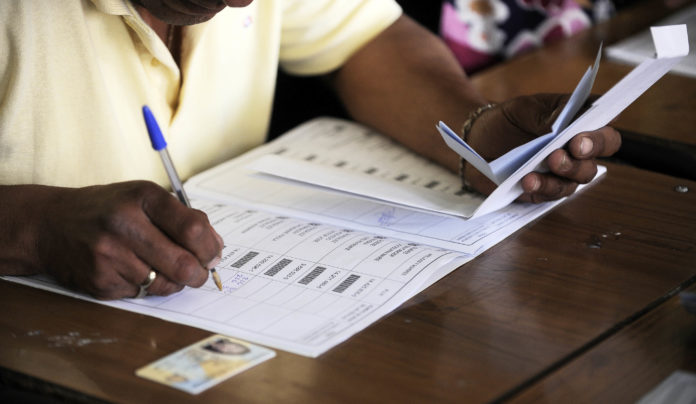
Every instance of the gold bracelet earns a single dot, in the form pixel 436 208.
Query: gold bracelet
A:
pixel 466 128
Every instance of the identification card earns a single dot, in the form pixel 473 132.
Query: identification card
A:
pixel 206 363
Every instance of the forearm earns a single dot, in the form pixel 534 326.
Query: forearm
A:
pixel 402 83
pixel 20 206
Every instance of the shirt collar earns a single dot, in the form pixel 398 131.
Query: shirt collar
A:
pixel 113 7
pixel 132 18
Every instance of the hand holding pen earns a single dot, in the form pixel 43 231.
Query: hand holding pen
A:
pixel 160 145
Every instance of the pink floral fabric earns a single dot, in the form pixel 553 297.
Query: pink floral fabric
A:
pixel 482 32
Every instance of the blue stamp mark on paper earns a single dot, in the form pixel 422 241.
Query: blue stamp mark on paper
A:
pixel 387 217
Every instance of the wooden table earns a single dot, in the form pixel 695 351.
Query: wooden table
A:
pixel 639 353
pixel 577 299
pixel 658 128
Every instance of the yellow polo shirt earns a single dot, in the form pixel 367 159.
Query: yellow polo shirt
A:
pixel 74 75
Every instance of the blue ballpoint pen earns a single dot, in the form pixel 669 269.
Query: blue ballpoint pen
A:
pixel 160 145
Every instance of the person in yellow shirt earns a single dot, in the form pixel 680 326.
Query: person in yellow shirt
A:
pixel 82 192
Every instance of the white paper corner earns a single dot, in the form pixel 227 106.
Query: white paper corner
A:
pixel 670 41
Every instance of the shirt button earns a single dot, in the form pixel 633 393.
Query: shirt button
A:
pixel 154 62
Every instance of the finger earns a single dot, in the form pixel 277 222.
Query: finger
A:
pixel 161 286
pixel 108 284
pixel 187 227
pixel 598 143
pixel 141 236
pixel 562 164
pixel 173 262
pixel 115 270
pixel 138 273
pixel 545 187
pixel 119 272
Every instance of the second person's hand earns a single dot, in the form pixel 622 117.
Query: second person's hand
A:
pixel 519 120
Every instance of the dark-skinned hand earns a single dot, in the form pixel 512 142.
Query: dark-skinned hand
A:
pixel 104 240
pixel 519 120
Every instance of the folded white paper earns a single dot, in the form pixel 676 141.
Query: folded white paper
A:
pixel 501 168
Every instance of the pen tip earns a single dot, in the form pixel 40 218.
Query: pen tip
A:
pixel 216 278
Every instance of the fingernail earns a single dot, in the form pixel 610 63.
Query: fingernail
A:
pixel 212 264
pixel 535 184
pixel 565 163
pixel 586 146
pixel 215 261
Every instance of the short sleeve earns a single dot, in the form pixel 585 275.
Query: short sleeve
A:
pixel 318 36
